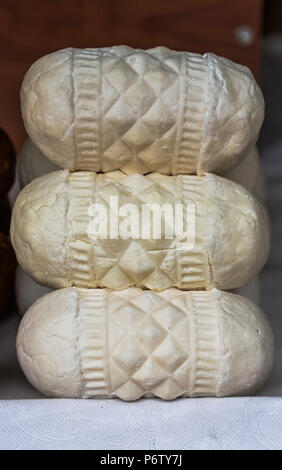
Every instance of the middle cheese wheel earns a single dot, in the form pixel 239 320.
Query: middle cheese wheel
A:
pixel 51 231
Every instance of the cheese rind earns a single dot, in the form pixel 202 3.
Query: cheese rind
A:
pixel 32 164
pixel 133 343
pixel 28 290
pixel 38 227
pixel 51 232
pixel 141 111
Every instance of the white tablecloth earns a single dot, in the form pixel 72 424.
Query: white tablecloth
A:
pixel 229 423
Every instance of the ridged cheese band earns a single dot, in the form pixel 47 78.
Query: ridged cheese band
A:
pixel 27 290
pixel 94 343
pixel 32 164
pixel 141 110
pixel 51 221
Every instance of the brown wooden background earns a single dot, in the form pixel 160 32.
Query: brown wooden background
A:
pixel 30 29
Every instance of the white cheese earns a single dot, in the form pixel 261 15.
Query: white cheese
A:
pixel 96 342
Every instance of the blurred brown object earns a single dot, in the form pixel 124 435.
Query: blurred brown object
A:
pixel 5 215
pixel 7 273
pixel 30 29
pixel 7 163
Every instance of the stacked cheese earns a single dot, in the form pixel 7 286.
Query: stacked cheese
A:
pixel 137 316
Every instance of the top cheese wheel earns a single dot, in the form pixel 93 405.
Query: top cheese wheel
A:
pixel 141 110
pixel 61 240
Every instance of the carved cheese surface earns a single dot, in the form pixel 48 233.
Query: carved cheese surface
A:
pixel 27 290
pixel 141 110
pixel 32 164
pixel 133 343
pixel 51 223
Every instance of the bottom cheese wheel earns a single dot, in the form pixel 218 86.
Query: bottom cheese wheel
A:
pixel 132 343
